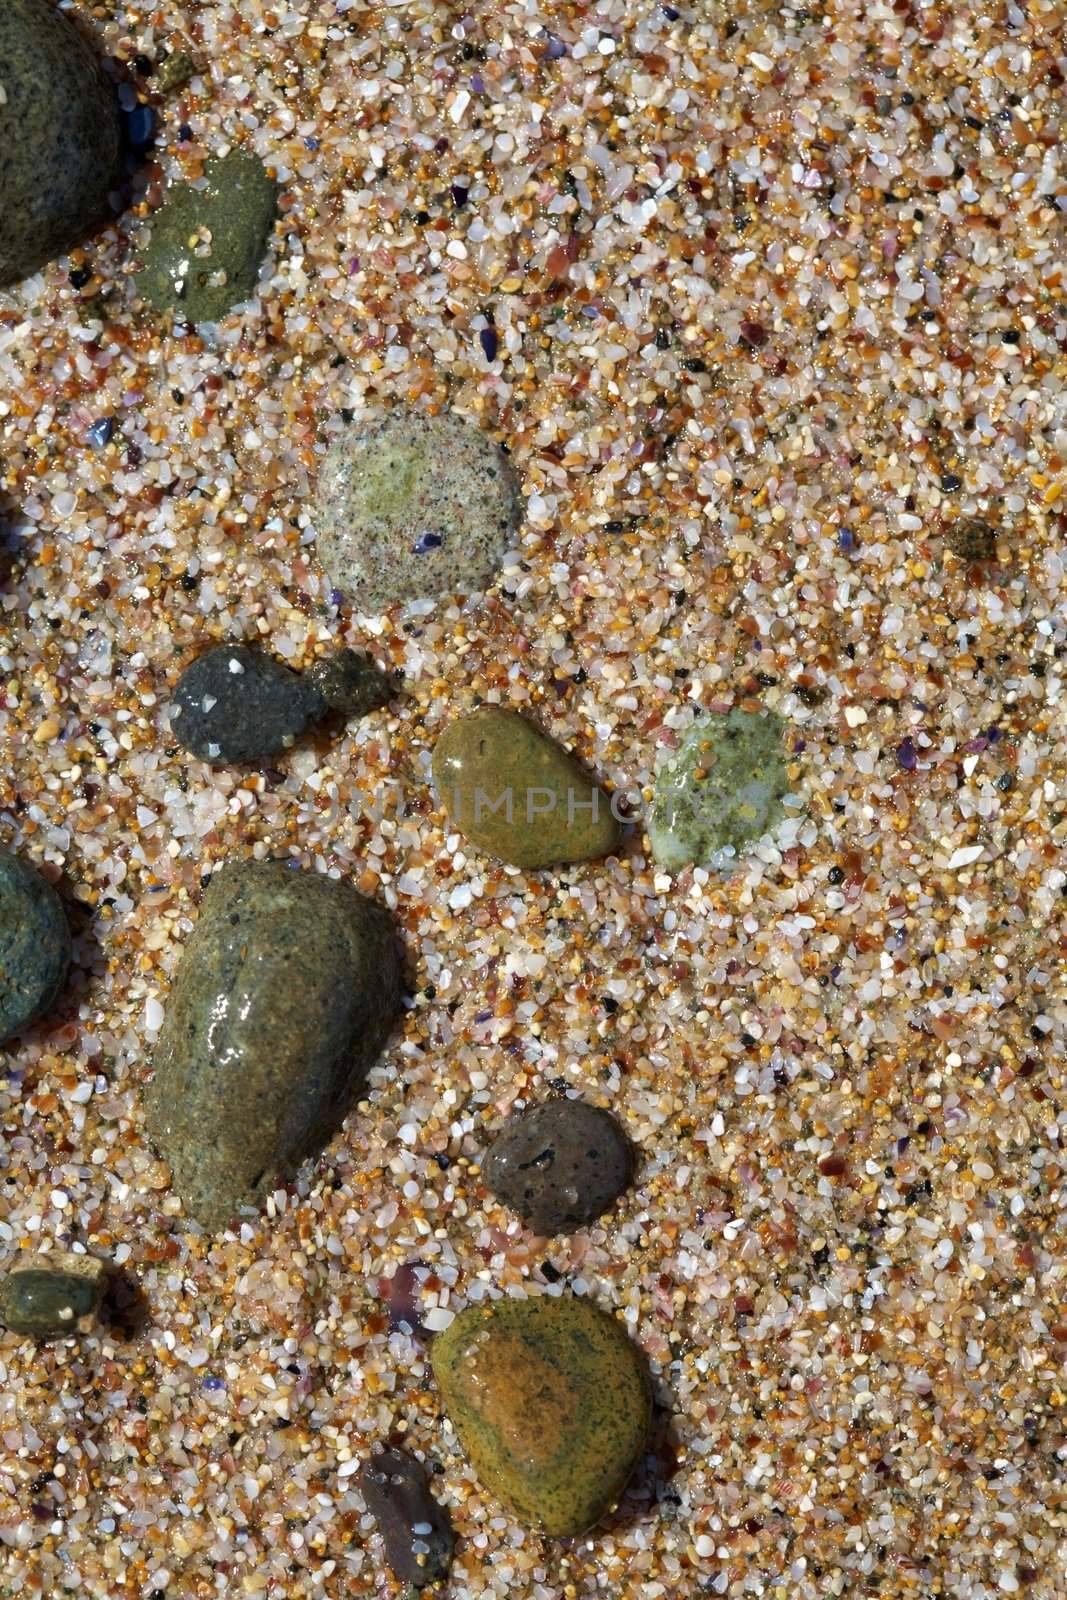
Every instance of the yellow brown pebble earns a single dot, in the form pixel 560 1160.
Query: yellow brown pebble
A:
pixel 552 1403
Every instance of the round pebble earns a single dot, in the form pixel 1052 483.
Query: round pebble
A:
pixel 551 1402
pixel 49 1296
pixel 59 136
pixel 559 1165
pixel 236 703
pixel 413 507
pixel 723 790
pixel 208 240
pixel 34 945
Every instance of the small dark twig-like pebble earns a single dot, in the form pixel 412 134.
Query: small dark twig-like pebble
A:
pixel 415 1530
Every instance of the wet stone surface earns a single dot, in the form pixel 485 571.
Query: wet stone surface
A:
pixel 208 240
pixel 52 1296
pixel 518 795
pixel 236 703
pixel 721 792
pixel 34 945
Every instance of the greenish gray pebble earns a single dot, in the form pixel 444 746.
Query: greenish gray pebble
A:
pixel 34 945
pixel 413 507
pixel 284 997
pixel 49 1296
pixel 59 137
pixel 552 1403
pixel 208 240
pixel 175 72
pixel 518 795
pixel 721 792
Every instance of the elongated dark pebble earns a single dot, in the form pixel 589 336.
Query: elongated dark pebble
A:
pixel 415 1529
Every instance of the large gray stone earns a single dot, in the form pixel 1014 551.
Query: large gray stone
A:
pixel 285 995
pixel 59 137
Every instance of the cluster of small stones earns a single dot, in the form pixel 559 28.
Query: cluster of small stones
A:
pixel 768 306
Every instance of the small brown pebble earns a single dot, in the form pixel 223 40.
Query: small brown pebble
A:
pixel 559 1165
pixel 833 1166
pixel 972 539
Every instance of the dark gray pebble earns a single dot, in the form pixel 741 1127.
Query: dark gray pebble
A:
pixel 34 945
pixel 237 703
pixel 59 136
pixel 559 1165
pixel 415 1530
pixel 53 1295
pixel 351 684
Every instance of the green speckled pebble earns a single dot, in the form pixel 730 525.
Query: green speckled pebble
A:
pixel 59 137
pixel 52 1295
pixel 518 795
pixel 236 205
pixel 34 945
pixel 551 1402
pixel 722 791
pixel 413 507
pixel 285 995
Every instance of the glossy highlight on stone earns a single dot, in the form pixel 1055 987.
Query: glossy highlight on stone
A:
pixel 49 1296
pixel 518 795
pixel 416 1530
pixel 208 240
pixel 552 1403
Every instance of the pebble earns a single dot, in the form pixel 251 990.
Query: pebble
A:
pixel 52 1295
pixel 236 703
pixel 414 507
pixel 972 539
pixel 551 1402
pixel 34 945
pixel 59 131
pixel 351 684
pixel 232 213
pixel 518 795
pixel 175 72
pixel 415 1529
pixel 721 792
pixel 560 1165
pixel 284 997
